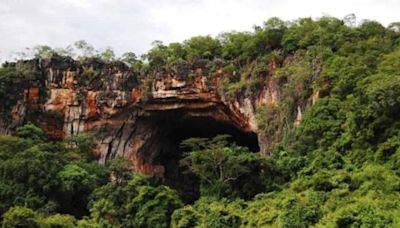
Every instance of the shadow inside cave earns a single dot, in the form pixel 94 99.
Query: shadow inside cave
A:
pixel 176 127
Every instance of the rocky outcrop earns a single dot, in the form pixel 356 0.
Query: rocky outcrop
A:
pixel 141 116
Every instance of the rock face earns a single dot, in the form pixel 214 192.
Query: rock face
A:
pixel 142 117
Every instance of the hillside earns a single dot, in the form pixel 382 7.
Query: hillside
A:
pixel 292 125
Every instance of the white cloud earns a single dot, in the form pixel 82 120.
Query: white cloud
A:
pixel 78 3
pixel 132 25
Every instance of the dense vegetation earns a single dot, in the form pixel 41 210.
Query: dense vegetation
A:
pixel 340 167
pixel 46 184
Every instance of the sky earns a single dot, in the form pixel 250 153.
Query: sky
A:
pixel 132 25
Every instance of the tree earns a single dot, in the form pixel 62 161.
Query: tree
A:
pixel 274 28
pixel 176 52
pixel 36 168
pixel 30 131
pixel 59 221
pixel 76 184
pixel 152 206
pixel 121 170
pixel 82 145
pixel 67 51
pixel 209 212
pixel 202 47
pixel 157 55
pixel 217 164
pixel 131 59
pixel 14 78
pixel 87 223
pixel 46 176
pixel 107 55
pixel 29 175
pixel 233 45
pixel 85 49
pixel 372 28
pixel 21 217
pixel 43 51
pixel 139 203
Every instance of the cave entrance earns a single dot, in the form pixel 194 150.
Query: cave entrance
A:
pixel 176 127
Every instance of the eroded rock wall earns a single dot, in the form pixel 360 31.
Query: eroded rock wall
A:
pixel 121 108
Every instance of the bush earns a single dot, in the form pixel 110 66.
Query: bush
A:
pixel 59 221
pixel 136 204
pixel 362 215
pixel 21 217
pixel 185 217
pixel 30 131
pixel 208 212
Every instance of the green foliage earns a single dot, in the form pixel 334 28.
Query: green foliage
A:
pixel 176 52
pixel 305 32
pixel 21 217
pixel 152 206
pixel 14 78
pixel 299 214
pixel 157 55
pixel 131 59
pixel 76 186
pixel 147 88
pixel 233 85
pixel 214 163
pixel 222 168
pixel 185 217
pixel 324 119
pixel 202 47
pixel 340 164
pixel 234 45
pixel 268 118
pixel 25 217
pixel 108 55
pixel 348 141
pixel 120 169
pixel 59 221
pixel 265 39
pixel 337 167
pixel 88 223
pixel 30 131
pixel 361 214
pixel 85 49
pixel 44 176
pixel 208 212
pixel 29 177
pixel 81 146
pixel 139 203
pixel 44 51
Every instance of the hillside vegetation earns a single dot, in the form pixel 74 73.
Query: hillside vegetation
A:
pixel 339 167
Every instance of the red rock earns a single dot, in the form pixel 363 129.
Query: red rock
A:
pixel 135 95
pixel 91 105
pixel 32 97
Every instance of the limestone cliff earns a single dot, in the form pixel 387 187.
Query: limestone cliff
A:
pixel 142 115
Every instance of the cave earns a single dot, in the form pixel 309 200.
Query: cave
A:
pixel 175 126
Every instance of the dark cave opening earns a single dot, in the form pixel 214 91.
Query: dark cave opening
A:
pixel 178 127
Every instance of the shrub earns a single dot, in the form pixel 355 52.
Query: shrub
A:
pixel 21 217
